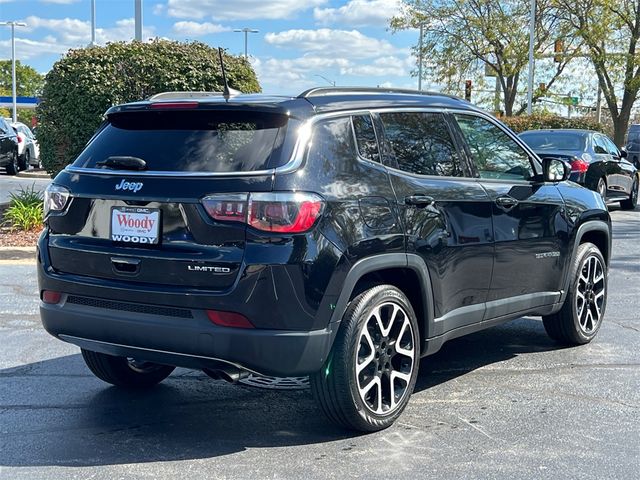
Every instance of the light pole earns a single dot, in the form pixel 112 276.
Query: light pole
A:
pixel 93 23
pixel 420 56
pixel 13 26
pixel 246 32
pixel 532 33
pixel 138 19
pixel 331 82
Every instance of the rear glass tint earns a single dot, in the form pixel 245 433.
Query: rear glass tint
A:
pixel 189 141
pixel 554 140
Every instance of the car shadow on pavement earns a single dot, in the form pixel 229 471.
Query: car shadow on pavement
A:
pixel 55 413
pixel 498 344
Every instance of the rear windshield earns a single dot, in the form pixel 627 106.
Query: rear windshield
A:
pixel 554 140
pixel 189 141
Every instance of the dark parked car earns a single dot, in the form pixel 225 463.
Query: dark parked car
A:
pixel 633 144
pixel 595 160
pixel 342 234
pixel 8 147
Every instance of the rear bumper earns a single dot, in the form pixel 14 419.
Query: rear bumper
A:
pixel 187 342
pixel 170 326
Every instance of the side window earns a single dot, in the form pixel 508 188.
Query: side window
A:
pixel 611 147
pixel 599 145
pixel 495 154
pixel 332 144
pixel 421 143
pixel 365 137
pixel 3 126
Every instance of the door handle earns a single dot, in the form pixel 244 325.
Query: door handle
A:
pixel 419 200
pixel 505 201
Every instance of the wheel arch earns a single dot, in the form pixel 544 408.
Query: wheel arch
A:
pixel 597 232
pixel 407 272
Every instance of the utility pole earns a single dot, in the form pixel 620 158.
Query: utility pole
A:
pixel 138 21
pixel 532 33
pixel 13 26
pixel 420 56
pixel 246 31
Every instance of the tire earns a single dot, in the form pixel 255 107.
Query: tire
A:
pixel 364 355
pixel 601 188
pixel 12 166
pixel 124 372
pixel 580 317
pixel 27 160
pixel 632 201
pixel 22 163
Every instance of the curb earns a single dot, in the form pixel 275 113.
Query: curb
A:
pixel 17 253
pixel 34 174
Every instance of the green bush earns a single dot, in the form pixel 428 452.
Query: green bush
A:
pixel 523 123
pixel 25 209
pixel 86 82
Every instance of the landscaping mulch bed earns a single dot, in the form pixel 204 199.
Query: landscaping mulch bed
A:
pixel 17 238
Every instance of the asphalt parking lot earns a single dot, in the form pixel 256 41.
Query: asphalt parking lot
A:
pixel 504 403
pixel 12 184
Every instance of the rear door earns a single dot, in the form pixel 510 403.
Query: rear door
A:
pixel 445 213
pixel 531 241
pixel 623 170
pixel 159 197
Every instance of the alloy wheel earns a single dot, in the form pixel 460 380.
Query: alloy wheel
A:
pixel 385 358
pixel 602 188
pixel 590 294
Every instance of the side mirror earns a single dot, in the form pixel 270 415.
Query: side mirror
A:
pixel 623 152
pixel 555 169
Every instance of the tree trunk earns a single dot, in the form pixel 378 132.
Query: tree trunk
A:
pixel 620 126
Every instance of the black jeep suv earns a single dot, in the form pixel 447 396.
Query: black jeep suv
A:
pixel 342 234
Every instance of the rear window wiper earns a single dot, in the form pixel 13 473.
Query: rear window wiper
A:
pixel 123 163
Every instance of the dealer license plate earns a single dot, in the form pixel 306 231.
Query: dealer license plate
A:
pixel 135 225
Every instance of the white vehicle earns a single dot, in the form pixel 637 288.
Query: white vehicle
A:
pixel 28 148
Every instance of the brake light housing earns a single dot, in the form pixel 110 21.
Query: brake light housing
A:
pixel 579 165
pixel 276 212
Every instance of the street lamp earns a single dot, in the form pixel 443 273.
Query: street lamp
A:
pixel 532 33
pixel 331 82
pixel 13 26
pixel 246 32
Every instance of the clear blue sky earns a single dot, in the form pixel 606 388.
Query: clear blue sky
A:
pixel 347 41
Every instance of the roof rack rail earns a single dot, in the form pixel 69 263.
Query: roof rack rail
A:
pixel 320 91
pixel 176 95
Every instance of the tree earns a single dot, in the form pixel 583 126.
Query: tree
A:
pixel 610 30
pixel 86 82
pixel 28 81
pixel 461 37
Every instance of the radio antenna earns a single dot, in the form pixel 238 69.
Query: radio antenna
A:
pixel 227 92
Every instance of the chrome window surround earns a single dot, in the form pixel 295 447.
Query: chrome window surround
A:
pixel 303 141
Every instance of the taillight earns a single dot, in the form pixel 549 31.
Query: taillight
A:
pixel 19 138
pixel 579 166
pixel 278 212
pixel 55 199
pixel 227 208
